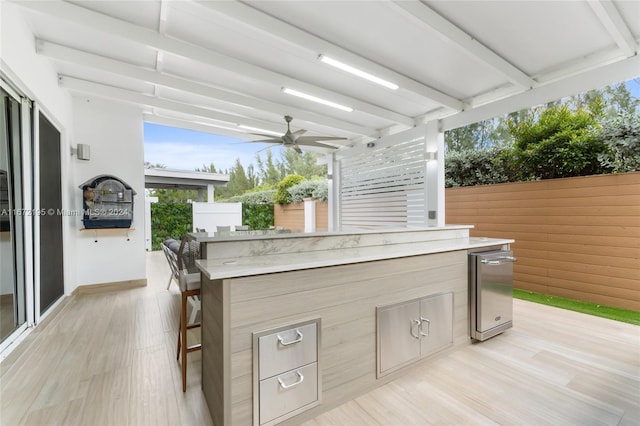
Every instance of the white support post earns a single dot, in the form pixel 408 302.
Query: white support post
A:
pixel 434 182
pixel 310 215
pixel 333 172
pixel 210 192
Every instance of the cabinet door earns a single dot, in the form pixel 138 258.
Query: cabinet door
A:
pixel 398 335
pixel 436 316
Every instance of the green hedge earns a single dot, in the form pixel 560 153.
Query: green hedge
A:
pixel 170 220
pixel 257 216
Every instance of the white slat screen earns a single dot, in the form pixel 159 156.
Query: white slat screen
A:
pixel 385 186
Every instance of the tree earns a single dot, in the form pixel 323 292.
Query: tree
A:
pixel 561 143
pixel 460 139
pixel 207 169
pixel 305 164
pixel 267 171
pixel 238 182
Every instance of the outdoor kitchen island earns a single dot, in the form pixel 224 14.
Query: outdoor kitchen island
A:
pixel 295 324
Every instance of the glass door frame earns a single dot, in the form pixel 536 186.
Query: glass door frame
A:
pixel 25 249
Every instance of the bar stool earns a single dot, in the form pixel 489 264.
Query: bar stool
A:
pixel 189 281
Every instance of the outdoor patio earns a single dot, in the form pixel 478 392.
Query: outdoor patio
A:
pixel 109 359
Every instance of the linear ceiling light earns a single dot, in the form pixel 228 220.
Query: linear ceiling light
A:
pixel 316 99
pixel 257 129
pixel 359 73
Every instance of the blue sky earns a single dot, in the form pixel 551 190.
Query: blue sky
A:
pixel 187 150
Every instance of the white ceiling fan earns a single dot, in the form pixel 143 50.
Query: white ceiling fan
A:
pixel 295 139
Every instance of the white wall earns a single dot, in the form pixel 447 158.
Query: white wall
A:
pixel 37 79
pixel 211 215
pixel 115 133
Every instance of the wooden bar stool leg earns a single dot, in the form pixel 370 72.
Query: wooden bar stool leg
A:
pixel 179 340
pixel 183 331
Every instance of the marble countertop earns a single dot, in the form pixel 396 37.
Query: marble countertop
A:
pixel 235 267
pixel 204 237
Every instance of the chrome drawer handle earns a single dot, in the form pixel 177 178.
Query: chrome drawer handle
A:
pixel 293 342
pixel 296 383
pixel 411 324
pixel 499 261
pixel 428 327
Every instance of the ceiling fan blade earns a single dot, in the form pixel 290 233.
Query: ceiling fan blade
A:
pixel 296 148
pixel 272 140
pixel 316 144
pixel 299 132
pixel 306 139
pixel 265 135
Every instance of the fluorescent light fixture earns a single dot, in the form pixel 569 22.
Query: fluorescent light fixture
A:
pixel 359 73
pixel 257 129
pixel 316 99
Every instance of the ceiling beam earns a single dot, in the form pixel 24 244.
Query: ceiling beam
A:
pixel 246 14
pixel 590 79
pixel 614 23
pixel 67 54
pixel 127 96
pixel 151 38
pixel 427 16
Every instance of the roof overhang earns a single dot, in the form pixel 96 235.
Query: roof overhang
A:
pixel 182 179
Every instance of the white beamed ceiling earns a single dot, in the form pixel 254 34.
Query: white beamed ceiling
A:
pixel 194 63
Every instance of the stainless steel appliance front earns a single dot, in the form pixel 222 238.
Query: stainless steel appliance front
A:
pixel 490 292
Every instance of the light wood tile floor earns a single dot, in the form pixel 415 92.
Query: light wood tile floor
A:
pixel 109 359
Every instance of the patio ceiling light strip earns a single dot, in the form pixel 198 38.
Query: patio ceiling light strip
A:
pixel 355 71
pixel 316 99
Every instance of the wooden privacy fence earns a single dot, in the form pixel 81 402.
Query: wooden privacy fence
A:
pixel 576 237
pixel 291 216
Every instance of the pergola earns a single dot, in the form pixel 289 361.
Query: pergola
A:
pixel 229 67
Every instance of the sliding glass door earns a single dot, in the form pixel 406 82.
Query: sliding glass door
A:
pixel 13 313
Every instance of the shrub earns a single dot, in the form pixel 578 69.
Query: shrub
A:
pixel 170 220
pixel 259 197
pixel 318 189
pixel 475 167
pixel 621 135
pixel 282 194
pixel 258 216
pixel 257 208
pixel 561 143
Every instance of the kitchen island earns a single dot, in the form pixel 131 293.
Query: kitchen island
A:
pixel 292 323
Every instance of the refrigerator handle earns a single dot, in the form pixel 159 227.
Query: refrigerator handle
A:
pixel 499 260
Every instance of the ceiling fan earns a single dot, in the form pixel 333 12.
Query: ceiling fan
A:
pixel 295 139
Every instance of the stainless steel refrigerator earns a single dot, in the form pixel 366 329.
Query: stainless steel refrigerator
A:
pixel 490 293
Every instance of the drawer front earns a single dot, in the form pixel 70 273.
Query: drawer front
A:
pixel 288 349
pixel 288 392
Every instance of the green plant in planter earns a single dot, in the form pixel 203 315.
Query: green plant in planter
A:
pixel 316 189
pixel 282 194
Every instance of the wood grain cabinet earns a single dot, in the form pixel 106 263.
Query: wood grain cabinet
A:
pixel 286 371
pixel 411 330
